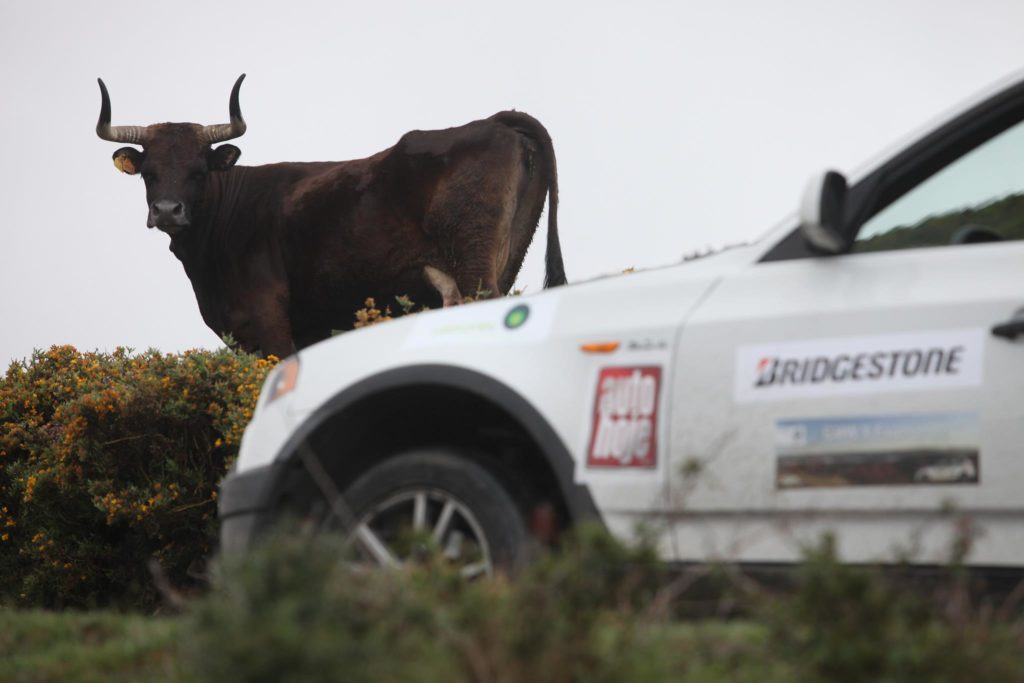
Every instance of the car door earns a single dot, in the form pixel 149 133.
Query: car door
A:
pixel 866 393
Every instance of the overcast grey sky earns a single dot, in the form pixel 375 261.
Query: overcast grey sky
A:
pixel 677 125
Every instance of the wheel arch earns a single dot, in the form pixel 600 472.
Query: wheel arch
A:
pixel 377 417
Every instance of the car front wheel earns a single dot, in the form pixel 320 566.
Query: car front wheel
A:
pixel 437 498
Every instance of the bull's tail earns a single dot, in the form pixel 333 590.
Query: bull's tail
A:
pixel 554 274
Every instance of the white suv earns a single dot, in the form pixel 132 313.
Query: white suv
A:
pixel 739 404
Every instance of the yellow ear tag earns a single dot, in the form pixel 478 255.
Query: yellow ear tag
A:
pixel 124 164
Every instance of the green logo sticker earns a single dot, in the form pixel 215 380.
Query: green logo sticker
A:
pixel 517 316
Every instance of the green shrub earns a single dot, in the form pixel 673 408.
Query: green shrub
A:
pixel 295 610
pixel 851 623
pixel 107 460
pixel 292 612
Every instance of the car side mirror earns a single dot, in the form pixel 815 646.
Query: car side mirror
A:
pixel 821 213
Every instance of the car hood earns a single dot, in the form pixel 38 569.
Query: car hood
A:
pixel 489 336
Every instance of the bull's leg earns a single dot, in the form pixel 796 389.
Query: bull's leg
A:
pixel 471 217
pixel 260 292
pixel 260 336
pixel 276 337
pixel 480 279
pixel 473 257
pixel 264 315
pixel 478 246
pixel 445 284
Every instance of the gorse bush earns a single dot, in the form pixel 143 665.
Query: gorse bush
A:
pixel 108 460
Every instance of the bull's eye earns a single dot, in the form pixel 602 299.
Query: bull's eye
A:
pixel 149 177
pixel 196 175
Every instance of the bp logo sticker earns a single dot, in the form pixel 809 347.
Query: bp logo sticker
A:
pixel 517 316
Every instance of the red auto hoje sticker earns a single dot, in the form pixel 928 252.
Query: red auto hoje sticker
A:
pixel 625 423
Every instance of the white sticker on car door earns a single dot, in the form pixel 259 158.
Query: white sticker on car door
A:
pixel 837 366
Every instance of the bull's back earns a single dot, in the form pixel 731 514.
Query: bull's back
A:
pixel 367 227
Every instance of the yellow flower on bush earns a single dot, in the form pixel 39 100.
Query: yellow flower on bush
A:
pixel 30 487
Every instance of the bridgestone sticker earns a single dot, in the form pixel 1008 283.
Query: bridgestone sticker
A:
pixel 886 450
pixel 839 366
pixel 625 422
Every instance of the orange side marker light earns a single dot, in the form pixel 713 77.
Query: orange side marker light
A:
pixel 599 347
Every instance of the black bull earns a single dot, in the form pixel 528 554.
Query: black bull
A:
pixel 279 255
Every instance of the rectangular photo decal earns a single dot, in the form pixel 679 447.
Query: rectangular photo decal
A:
pixel 887 450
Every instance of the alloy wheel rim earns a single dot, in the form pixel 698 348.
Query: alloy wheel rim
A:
pixel 403 525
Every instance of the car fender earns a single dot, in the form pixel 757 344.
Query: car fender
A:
pixel 577 497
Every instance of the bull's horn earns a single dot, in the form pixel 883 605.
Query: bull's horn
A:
pixel 134 135
pixel 228 131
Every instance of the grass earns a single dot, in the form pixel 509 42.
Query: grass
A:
pixel 38 646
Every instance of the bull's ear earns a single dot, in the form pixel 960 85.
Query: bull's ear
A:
pixel 128 160
pixel 222 158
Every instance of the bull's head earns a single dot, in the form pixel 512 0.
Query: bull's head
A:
pixel 175 159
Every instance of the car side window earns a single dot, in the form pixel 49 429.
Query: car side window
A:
pixel 979 197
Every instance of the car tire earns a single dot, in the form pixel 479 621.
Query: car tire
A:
pixel 463 506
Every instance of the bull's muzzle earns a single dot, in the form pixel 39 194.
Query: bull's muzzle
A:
pixel 167 215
